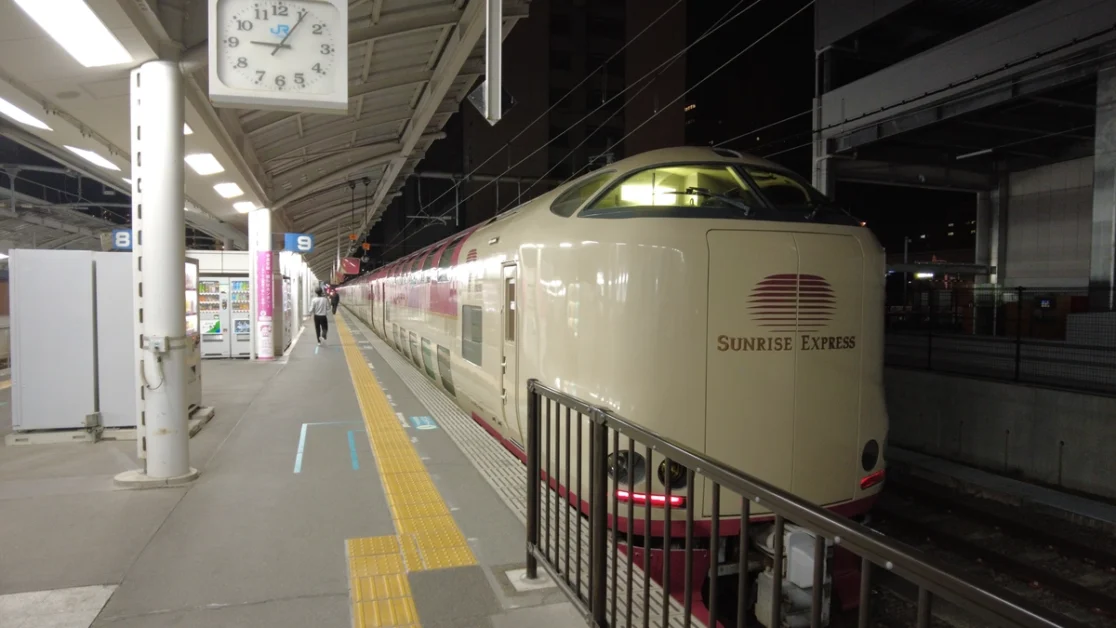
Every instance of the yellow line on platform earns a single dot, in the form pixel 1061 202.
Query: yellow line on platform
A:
pixel 426 536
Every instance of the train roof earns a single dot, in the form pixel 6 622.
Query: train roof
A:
pixel 647 159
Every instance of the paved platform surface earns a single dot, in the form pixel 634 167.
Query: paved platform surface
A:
pixel 298 518
pixel 1048 501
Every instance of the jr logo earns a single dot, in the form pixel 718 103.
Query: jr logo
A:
pixel 281 30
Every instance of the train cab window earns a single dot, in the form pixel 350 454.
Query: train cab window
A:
pixel 568 202
pixel 471 333
pixel 677 187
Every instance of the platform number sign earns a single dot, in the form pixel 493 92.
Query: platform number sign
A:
pixel 122 239
pixel 298 242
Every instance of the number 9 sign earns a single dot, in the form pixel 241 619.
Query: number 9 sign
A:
pixel 298 242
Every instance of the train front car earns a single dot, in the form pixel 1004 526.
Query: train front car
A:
pixel 722 302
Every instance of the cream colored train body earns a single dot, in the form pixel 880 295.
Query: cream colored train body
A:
pixel 711 297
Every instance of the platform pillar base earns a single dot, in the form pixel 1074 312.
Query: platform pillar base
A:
pixel 138 479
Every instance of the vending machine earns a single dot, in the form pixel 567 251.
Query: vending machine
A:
pixel 240 306
pixel 213 301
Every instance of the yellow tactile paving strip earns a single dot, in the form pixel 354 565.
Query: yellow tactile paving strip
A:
pixel 426 537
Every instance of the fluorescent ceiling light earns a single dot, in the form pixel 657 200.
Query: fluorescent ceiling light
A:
pixel 244 206
pixel 186 130
pixel 93 158
pixel 3 256
pixel 78 30
pixel 228 190
pixel 21 116
pixel 204 163
pixel 127 180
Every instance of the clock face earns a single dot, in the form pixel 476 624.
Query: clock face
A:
pixel 278 46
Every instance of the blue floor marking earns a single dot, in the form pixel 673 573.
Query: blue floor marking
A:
pixel 301 446
pixel 353 451
pixel 302 442
pixel 424 423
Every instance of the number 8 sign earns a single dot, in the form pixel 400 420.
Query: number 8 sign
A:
pixel 298 242
pixel 122 239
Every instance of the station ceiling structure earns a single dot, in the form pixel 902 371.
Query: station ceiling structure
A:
pixel 411 63
pixel 1032 111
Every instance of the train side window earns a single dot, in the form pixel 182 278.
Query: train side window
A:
pixel 428 358
pixel 684 186
pixel 509 309
pixel 446 261
pixel 568 202
pixel 415 349
pixel 471 335
pixel 428 263
pixel 445 371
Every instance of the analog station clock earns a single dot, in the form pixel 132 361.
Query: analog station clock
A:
pixel 279 54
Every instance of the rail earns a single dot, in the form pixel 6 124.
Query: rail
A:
pixel 607 594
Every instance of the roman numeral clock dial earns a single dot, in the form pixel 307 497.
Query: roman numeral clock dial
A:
pixel 272 53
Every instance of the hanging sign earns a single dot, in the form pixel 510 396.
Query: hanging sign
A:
pixel 350 266
pixel 366 246
pixel 298 242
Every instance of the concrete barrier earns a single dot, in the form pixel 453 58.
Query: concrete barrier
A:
pixel 1053 437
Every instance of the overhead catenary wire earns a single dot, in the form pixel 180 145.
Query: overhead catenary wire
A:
pixel 719 24
pixel 754 43
pixel 602 66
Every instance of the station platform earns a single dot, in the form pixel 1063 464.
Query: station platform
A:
pixel 299 517
pixel 1024 496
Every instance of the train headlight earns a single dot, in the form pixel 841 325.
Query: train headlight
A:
pixel 870 456
pixel 626 469
pixel 675 478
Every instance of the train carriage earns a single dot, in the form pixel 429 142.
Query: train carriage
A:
pixel 715 298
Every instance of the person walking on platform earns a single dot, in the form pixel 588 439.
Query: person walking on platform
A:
pixel 334 299
pixel 319 306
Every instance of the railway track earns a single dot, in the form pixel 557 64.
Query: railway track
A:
pixel 1068 573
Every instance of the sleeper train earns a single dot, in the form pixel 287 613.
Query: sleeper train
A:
pixel 715 298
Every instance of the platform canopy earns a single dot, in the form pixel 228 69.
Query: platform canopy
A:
pixel 411 63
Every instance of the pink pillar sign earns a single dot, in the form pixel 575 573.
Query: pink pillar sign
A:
pixel 265 303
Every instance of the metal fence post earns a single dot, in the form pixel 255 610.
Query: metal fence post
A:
pixel 1018 330
pixel 533 479
pixel 598 521
pixel 930 331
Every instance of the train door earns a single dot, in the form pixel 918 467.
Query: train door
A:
pixel 508 364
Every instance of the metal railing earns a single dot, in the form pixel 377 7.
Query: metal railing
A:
pixel 565 435
pixel 1061 338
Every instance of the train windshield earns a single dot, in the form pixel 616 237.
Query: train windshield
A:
pixel 681 187
pixel 716 190
pixel 785 190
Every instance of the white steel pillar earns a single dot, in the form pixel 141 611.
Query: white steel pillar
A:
pixel 262 261
pixel 159 258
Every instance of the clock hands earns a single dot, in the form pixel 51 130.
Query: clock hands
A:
pixel 267 43
pixel 301 17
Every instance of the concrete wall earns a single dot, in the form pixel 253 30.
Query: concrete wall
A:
pixel 1054 437
pixel 1050 222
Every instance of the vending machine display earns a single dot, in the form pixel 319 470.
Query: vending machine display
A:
pixel 213 300
pixel 240 306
